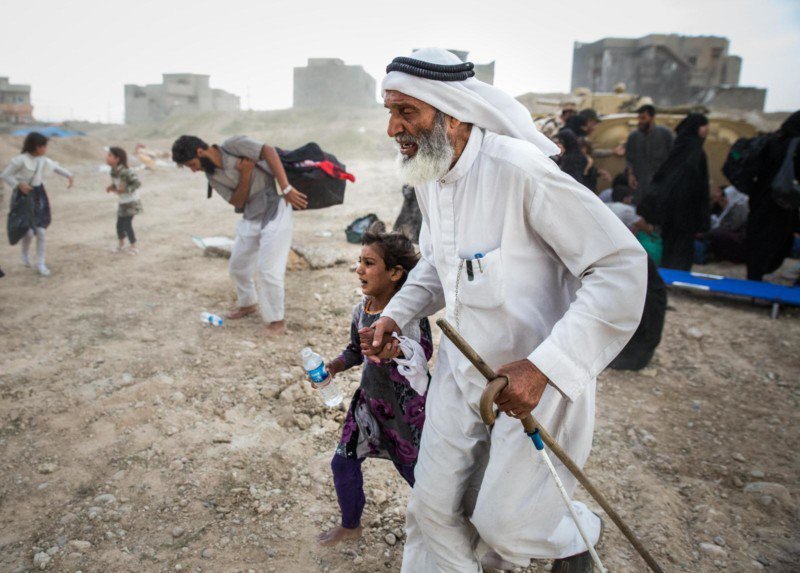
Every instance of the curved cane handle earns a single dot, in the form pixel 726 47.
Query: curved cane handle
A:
pixel 491 391
pixel 488 414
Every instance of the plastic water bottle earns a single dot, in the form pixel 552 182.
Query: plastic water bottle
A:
pixel 315 368
pixel 211 319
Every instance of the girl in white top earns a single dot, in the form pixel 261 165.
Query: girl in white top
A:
pixel 26 173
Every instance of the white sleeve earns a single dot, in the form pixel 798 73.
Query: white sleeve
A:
pixel 422 294
pixel 57 168
pixel 9 173
pixel 595 246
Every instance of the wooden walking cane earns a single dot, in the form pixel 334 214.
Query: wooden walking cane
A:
pixel 493 388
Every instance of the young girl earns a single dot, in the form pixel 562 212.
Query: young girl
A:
pixel 126 185
pixel 386 414
pixel 26 174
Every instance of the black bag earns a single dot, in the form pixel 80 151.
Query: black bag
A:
pixel 785 187
pixel 741 165
pixel 321 189
pixel 21 216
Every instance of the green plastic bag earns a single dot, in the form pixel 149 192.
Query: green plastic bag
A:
pixel 652 244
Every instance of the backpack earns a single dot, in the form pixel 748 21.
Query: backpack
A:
pixel 785 187
pixel 741 165
pixel 313 172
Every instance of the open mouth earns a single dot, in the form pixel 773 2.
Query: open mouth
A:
pixel 407 147
pixel 363 283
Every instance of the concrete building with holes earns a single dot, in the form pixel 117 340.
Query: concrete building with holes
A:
pixel 15 102
pixel 672 69
pixel 178 94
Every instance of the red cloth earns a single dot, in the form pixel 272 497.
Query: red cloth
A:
pixel 335 171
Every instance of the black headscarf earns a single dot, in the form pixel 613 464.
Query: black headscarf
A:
pixel 572 162
pixel 577 125
pixel 683 178
pixel 690 125
pixel 688 143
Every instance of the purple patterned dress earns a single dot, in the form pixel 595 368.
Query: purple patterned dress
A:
pixel 386 415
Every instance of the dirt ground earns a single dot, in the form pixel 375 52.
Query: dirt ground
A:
pixel 134 438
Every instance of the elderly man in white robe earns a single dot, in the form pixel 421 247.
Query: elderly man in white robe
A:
pixel 546 284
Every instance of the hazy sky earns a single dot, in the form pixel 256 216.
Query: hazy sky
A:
pixel 78 55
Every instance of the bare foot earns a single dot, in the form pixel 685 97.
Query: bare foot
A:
pixel 337 534
pixel 241 312
pixel 276 328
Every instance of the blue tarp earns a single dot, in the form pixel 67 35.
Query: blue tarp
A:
pixel 714 283
pixel 49 131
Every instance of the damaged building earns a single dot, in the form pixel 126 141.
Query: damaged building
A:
pixel 178 94
pixel 329 82
pixel 15 102
pixel 672 69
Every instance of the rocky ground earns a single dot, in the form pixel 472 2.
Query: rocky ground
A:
pixel 134 438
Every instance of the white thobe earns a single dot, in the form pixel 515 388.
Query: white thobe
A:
pixel 561 282
pixel 263 250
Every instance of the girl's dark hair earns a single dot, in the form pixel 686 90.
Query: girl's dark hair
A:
pixel 33 141
pixel 396 250
pixel 120 154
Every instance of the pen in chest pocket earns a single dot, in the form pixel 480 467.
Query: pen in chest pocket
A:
pixel 470 272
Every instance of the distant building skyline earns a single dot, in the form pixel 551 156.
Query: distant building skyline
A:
pixel 178 94
pixel 15 102
pixel 673 69
pixel 329 82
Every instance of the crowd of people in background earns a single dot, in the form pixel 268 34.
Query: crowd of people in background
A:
pixel 665 195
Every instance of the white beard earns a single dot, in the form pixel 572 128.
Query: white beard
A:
pixel 424 167
pixel 433 158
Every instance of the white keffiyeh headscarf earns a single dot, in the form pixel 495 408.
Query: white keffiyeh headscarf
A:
pixel 470 101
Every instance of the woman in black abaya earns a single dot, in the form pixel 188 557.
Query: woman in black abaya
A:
pixel 683 180
pixel 770 227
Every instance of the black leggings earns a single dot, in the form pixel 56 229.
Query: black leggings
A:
pixel 125 229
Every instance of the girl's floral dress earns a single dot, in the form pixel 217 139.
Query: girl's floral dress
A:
pixel 386 415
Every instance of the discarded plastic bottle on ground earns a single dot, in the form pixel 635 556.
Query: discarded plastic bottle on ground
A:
pixel 318 374
pixel 211 319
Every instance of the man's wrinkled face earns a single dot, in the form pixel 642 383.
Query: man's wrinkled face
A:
pixel 645 121
pixel 421 133
pixel 409 118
